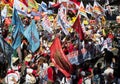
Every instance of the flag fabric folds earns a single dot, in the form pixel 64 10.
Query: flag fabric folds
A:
pixel 62 21
pixel 20 6
pixel 82 10
pixel 78 28
pixel 59 59
pixel 32 36
pixel 25 2
pixel 17 31
pixel 76 2
pixel 97 8
pixel 6 49
pixel 89 9
pixel 63 25
pixel 33 4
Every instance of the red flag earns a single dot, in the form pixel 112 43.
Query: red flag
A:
pixel 76 1
pixel 24 2
pixel 59 59
pixel 78 28
pixel 10 2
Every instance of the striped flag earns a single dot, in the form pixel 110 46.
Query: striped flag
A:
pixel 82 10
pixel 97 8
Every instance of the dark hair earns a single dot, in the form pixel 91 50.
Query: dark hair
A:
pixel 99 65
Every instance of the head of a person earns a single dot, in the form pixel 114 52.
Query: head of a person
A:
pixel 118 19
pixel 86 65
pixel 99 65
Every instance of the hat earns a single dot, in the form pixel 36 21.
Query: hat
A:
pixel 28 57
pixel 9 79
pixel 30 78
pixel 51 64
pixel 29 70
pixel 14 59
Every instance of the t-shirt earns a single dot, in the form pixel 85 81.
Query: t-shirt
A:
pixel 50 72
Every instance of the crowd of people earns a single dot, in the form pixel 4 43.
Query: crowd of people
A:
pixel 27 67
pixel 37 68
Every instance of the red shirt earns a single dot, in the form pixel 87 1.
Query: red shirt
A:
pixel 111 36
pixel 50 74
pixel 80 80
pixel 71 47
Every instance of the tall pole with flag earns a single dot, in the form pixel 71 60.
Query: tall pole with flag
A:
pixel 0 20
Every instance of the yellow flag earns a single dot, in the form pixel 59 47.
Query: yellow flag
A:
pixel 85 22
pixel 103 32
pixel 32 4
pixel 103 20
pixel 9 9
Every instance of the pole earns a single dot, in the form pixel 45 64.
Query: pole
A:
pixel 119 9
pixel 0 20
pixel 1 24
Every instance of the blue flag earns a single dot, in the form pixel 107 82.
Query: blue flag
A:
pixel 18 29
pixel 6 49
pixel 63 25
pixel 32 36
pixel 43 6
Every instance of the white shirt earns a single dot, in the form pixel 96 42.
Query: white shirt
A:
pixel 108 71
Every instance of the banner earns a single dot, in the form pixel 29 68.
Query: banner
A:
pixel 32 36
pixel 59 59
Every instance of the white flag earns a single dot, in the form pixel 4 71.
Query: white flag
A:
pixel 89 9
pixel 4 13
pixel 22 8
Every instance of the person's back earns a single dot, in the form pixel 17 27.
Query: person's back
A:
pixel 108 73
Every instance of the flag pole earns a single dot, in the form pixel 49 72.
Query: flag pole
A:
pixel 0 20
